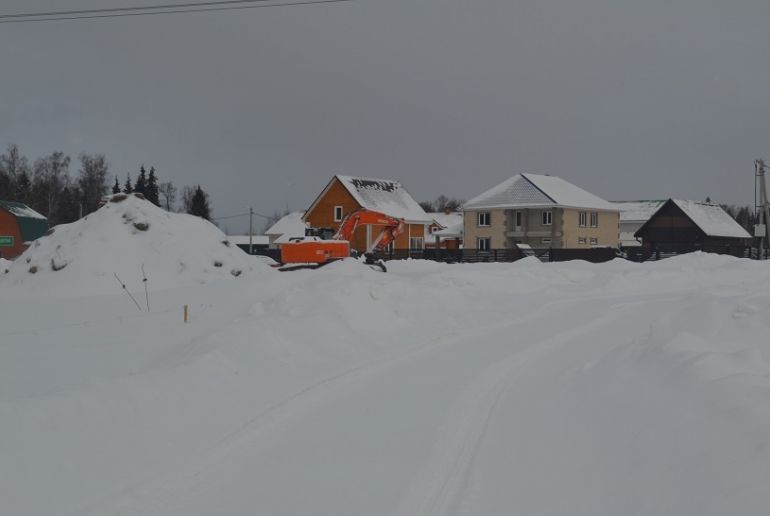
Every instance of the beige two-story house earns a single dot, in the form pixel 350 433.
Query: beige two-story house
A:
pixel 541 211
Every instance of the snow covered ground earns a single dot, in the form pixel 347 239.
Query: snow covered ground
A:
pixel 484 389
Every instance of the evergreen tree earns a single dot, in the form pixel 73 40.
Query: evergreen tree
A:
pixel 116 186
pixel 199 205
pixel 141 182
pixel 128 187
pixel 151 192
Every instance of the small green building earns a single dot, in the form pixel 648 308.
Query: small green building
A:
pixel 19 225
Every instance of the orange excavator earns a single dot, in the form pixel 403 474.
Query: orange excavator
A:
pixel 313 252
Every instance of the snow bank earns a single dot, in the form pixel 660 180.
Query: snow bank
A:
pixel 525 388
pixel 4 265
pixel 120 238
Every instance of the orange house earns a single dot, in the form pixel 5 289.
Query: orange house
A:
pixel 344 194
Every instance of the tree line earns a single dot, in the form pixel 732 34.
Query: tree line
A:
pixel 442 204
pixel 46 186
pixel 746 216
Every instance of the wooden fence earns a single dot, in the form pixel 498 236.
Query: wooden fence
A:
pixel 593 255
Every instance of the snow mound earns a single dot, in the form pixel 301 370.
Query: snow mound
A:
pixel 4 265
pixel 125 236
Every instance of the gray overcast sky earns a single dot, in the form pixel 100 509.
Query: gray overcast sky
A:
pixel 628 99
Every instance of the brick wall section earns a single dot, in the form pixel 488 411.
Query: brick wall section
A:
pixel 607 232
pixel 495 231
pixel 564 231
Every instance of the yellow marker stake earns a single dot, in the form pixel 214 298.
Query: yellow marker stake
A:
pixel 186 309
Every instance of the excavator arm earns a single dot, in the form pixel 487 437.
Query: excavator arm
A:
pixel 392 227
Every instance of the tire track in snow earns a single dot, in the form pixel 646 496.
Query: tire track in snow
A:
pixel 154 494
pixel 439 486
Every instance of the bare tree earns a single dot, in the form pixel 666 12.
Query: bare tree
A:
pixel 442 204
pixel 51 176
pixel 168 195
pixel 14 169
pixel 188 192
pixel 92 180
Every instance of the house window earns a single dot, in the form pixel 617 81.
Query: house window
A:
pixel 484 218
pixel 582 219
pixel 581 240
pixel 518 219
pixel 545 241
pixel 594 219
pixel 594 241
pixel 547 218
pixel 416 243
pixel 337 213
pixel 483 244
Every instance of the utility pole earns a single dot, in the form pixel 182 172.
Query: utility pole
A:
pixel 251 231
pixel 763 207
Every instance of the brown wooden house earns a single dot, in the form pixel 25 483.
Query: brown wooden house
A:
pixel 344 194
pixel 683 226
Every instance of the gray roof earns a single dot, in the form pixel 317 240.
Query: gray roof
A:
pixel 637 211
pixel 534 190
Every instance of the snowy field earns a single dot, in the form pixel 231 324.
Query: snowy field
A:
pixel 489 389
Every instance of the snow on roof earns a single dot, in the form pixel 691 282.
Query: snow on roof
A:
pixel 455 230
pixel 290 225
pixel 528 190
pixel 516 190
pixel 567 194
pixel 386 196
pixel 447 219
pixel 244 239
pixel 712 219
pixel 637 211
pixel 21 210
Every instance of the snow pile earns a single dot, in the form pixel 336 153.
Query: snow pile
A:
pixel 4 265
pixel 124 236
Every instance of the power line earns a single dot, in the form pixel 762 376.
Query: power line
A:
pixel 241 215
pixel 154 10
pixel 131 8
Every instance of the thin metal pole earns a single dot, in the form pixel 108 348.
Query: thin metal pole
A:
pixel 251 232
pixel 127 292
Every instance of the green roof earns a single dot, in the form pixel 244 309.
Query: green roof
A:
pixel 31 224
